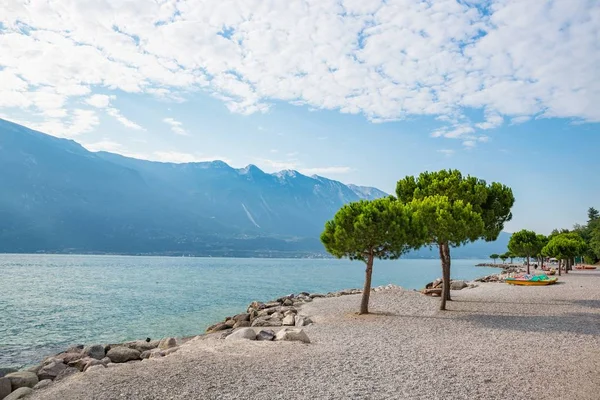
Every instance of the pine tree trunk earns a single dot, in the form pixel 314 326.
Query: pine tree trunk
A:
pixel 559 270
pixel 445 259
pixel 364 304
pixel 528 264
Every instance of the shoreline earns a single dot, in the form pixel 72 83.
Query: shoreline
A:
pixel 405 333
pixel 183 339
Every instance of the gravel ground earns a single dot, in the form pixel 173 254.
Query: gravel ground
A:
pixel 496 342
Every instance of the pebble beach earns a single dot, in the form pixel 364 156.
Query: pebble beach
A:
pixel 497 341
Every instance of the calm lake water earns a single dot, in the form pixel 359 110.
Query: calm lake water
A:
pixel 49 302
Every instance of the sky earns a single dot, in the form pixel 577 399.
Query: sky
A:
pixel 362 91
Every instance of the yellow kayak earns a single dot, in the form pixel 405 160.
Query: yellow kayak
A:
pixel 523 282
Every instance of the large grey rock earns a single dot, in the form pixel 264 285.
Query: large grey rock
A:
pixel 241 324
pixel 51 370
pixel 6 371
pixel 95 367
pixel 5 387
pixel 217 327
pixel 92 363
pixel 123 354
pixel 241 317
pixel 288 320
pixel 142 345
pixel 262 321
pixel 458 285
pixel 66 373
pixel 19 393
pixel 230 323
pixel 22 379
pixel 69 356
pixel 167 343
pixel 242 334
pixel 292 334
pixel 302 321
pixel 81 363
pixel 95 351
pixel 42 384
pixel 265 335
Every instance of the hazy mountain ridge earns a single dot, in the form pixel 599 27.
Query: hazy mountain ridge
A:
pixel 59 197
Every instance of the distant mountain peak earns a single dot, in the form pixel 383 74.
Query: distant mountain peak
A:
pixel 287 173
pixel 250 169
pixel 367 193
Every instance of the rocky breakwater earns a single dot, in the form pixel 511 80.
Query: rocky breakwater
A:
pixel 78 359
pixel 283 311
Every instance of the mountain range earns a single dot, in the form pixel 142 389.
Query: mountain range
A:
pixel 58 197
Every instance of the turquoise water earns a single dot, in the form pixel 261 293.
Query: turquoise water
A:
pixel 49 302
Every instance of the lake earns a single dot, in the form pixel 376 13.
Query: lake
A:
pixel 49 302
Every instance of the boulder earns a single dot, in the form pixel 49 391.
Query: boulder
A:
pixel 217 327
pixel 69 356
pixel 41 384
pixel 95 367
pixel 241 324
pixel 170 351
pixel 5 387
pixel 242 334
pixel 21 379
pixel 143 345
pixel 241 317
pixel 66 373
pixel 261 321
pixel 51 370
pixel 265 335
pixel 19 393
pixel 6 371
pixel 35 369
pixel 276 315
pixel 157 354
pixel 292 334
pixel 272 304
pixel 92 363
pixel 288 320
pixel 302 321
pixel 105 360
pixel 94 351
pixel 146 354
pixel 230 323
pixel 81 363
pixel 123 354
pixel 75 349
pixel 288 302
pixel 167 343
pixel 256 305
pixel 316 295
pixel 458 285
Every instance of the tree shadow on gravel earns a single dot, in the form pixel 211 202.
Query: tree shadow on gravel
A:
pixel 560 303
pixel 587 303
pixel 575 323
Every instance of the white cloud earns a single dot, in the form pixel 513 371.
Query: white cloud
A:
pixel 325 170
pixel 99 100
pixel 176 126
pixel 446 152
pixel 113 112
pixel 469 144
pixel 293 164
pixel 385 59
pixel 104 145
pixel 178 157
